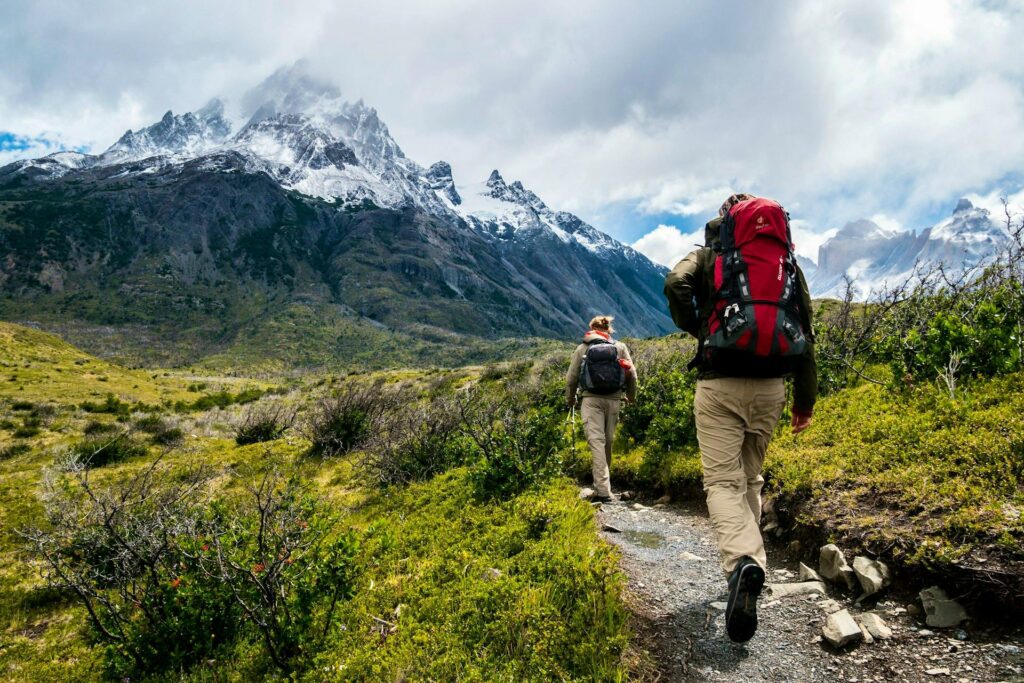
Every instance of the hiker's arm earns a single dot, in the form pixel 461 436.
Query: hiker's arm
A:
pixel 631 381
pixel 572 377
pixel 682 289
pixel 805 375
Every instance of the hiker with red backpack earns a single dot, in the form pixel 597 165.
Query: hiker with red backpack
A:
pixel 602 370
pixel 745 299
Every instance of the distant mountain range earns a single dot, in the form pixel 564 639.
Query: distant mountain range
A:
pixel 195 233
pixel 875 257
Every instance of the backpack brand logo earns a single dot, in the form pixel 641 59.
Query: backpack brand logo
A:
pixel 760 223
pixel 780 269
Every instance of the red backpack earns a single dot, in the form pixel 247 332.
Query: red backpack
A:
pixel 754 323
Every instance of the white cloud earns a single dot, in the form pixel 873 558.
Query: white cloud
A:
pixel 666 244
pixel 903 106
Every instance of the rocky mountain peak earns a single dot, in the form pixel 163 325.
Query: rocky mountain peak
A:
pixel 963 205
pixel 495 181
pixel 439 178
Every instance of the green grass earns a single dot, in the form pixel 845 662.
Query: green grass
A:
pixel 522 589
pixel 937 478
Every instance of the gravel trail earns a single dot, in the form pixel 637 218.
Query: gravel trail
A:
pixel 676 590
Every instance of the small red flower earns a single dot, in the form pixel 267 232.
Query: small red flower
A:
pixel 176 582
pixel 206 546
pixel 303 524
pixel 258 568
pixel 290 560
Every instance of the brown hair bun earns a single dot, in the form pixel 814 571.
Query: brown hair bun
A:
pixel 603 323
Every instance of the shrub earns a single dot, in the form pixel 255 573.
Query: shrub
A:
pixel 102 449
pixel 30 426
pixel 287 570
pixel 264 421
pixel 171 436
pixel 416 443
pixel 22 405
pixel 13 451
pixel 44 413
pixel 340 422
pixel 219 399
pixel 162 432
pixel 662 416
pixel 97 427
pixel 168 578
pixel 111 404
pixel 516 446
pixel 118 551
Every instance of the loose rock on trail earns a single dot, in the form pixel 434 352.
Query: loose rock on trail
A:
pixel 677 592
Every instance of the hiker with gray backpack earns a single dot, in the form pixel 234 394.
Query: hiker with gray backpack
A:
pixel 602 371
pixel 745 299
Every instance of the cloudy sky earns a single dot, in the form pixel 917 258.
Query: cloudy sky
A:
pixel 641 117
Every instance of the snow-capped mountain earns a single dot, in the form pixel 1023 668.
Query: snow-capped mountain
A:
pixel 302 133
pixel 293 194
pixel 875 257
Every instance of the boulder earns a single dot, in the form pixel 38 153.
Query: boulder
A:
pixel 940 610
pixel 808 574
pixel 872 575
pixel 586 493
pixel 875 625
pixel 832 565
pixel 664 500
pixel 841 629
pixel 829 606
pixel 781 590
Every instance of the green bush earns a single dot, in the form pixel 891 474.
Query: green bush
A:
pixel 171 436
pixel 415 443
pixel 97 427
pixel 162 432
pixel 345 420
pixel 277 552
pixel 264 422
pixel 662 417
pixel 129 554
pixel 111 404
pixel 517 447
pixel 170 579
pixel 98 450
pixel 30 426
pixel 13 451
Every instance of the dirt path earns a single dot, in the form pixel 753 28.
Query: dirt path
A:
pixel 675 585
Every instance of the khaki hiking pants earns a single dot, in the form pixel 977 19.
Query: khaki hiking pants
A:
pixel 600 415
pixel 735 420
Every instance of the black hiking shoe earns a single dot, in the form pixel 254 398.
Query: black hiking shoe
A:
pixel 745 585
pixel 605 499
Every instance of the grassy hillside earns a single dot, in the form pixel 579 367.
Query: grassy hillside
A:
pixel 470 570
pixel 37 366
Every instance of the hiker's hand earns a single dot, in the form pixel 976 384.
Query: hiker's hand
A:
pixel 801 421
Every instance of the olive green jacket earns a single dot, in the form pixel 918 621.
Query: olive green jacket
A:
pixel 688 288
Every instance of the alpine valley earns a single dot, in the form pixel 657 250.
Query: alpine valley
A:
pixel 297 233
